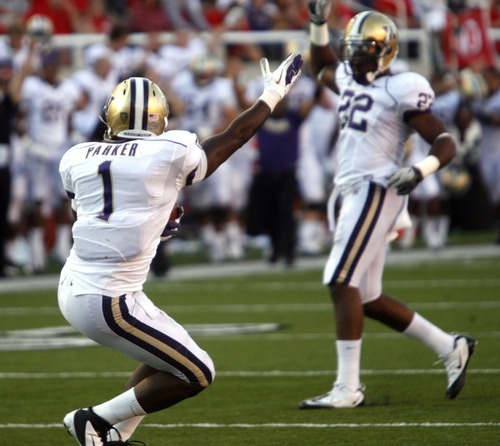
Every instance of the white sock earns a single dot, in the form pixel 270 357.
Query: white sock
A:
pixel 125 428
pixel 217 249
pixel 430 335
pixel 120 408
pixel 63 242
pixel 407 239
pixel 348 357
pixel 431 234
pixel 443 227
pixel 207 234
pixel 19 251
pixel 311 236
pixel 37 245
pixel 213 243
pixel 234 240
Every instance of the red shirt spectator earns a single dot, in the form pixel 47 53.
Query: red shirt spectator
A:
pixel 82 6
pixel 397 9
pixel 95 18
pixel 62 13
pixel 213 14
pixel 148 15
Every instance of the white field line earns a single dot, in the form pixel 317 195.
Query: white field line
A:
pixel 243 374
pixel 314 285
pixel 183 273
pixel 328 336
pixel 63 342
pixel 270 425
pixel 188 287
pixel 266 308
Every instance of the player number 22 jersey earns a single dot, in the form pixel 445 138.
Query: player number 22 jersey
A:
pixel 373 128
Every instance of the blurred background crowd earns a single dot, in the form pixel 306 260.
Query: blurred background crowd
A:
pixel 59 60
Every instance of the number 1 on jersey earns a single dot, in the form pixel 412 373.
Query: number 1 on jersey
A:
pixel 105 172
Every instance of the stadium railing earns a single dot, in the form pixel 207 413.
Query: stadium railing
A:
pixel 419 60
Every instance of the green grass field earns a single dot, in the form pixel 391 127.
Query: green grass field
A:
pixel 262 376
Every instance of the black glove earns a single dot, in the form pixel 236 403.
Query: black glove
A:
pixel 319 10
pixel 405 180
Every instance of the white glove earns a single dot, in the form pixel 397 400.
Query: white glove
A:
pixel 406 179
pixel 319 10
pixel 278 83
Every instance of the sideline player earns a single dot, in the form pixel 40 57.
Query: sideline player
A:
pixel 48 103
pixel 210 105
pixel 378 111
pixel 124 189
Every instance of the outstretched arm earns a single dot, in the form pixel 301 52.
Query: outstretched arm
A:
pixel 220 147
pixel 324 60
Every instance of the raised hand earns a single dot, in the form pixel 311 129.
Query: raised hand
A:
pixel 319 10
pixel 278 83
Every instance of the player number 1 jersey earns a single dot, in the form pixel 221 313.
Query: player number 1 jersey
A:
pixel 123 193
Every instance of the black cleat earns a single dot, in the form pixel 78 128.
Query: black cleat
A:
pixel 88 428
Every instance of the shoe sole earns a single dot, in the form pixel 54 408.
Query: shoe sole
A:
pixel 454 390
pixel 305 406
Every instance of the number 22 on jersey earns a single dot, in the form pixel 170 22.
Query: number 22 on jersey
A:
pixel 352 109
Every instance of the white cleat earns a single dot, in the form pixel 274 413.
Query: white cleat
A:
pixel 456 364
pixel 340 397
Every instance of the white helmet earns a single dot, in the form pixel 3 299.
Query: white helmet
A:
pixel 205 67
pixel 40 27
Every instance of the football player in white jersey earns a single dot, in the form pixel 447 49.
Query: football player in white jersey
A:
pixel 210 104
pixel 95 80
pixel 488 112
pixel 377 113
pixel 47 103
pixel 314 169
pixel 123 190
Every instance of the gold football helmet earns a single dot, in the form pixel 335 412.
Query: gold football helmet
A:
pixel 472 85
pixel 456 180
pixel 369 45
pixel 136 109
